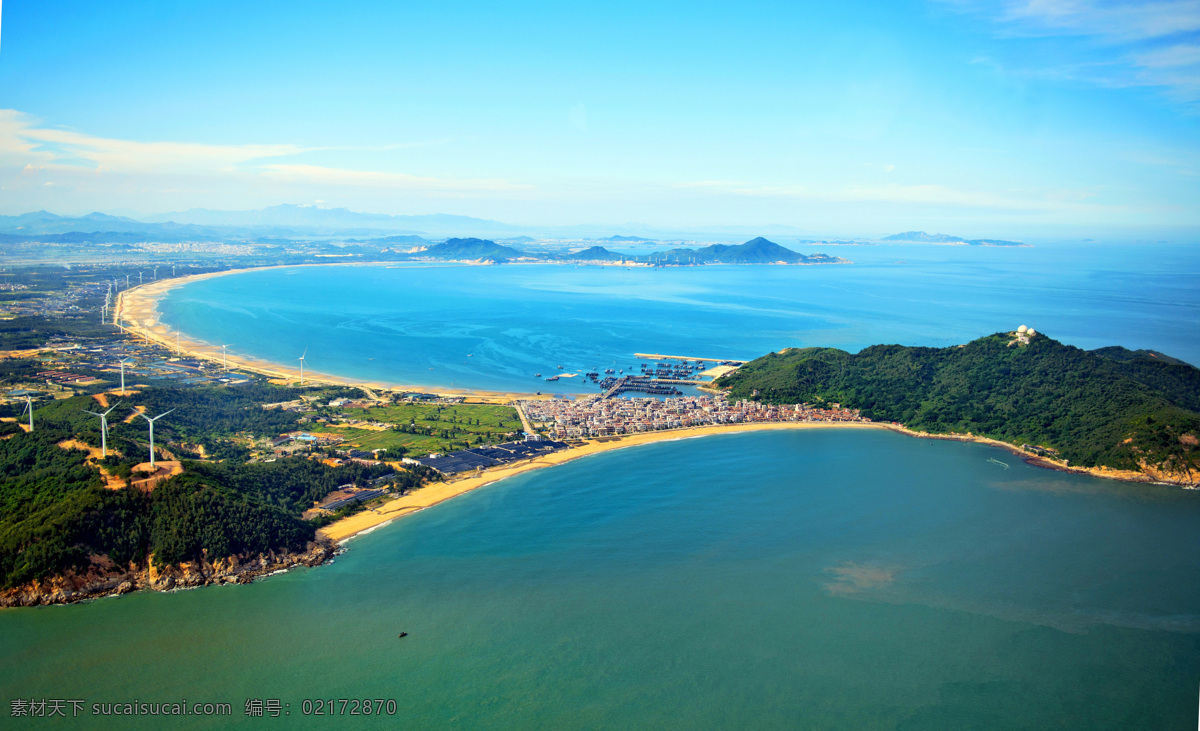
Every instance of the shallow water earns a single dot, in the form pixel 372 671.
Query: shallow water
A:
pixel 816 578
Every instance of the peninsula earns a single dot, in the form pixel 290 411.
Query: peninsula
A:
pixel 1111 411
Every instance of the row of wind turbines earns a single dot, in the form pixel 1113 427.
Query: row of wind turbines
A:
pixel 114 285
pixel 104 424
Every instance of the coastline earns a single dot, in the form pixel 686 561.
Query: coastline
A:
pixel 137 307
pixel 439 492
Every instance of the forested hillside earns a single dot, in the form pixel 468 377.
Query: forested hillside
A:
pixel 1112 407
pixel 55 513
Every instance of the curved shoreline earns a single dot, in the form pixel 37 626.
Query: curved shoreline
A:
pixel 139 305
pixel 138 308
pixel 439 492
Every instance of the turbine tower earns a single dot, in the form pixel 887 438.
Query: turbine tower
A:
pixel 301 359
pixel 126 281
pixel 156 274
pixel 123 375
pixel 139 277
pixel 224 363
pixel 103 427
pixel 176 342
pixel 151 421
pixel 29 408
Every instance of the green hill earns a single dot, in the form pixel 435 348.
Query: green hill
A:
pixel 754 251
pixel 597 253
pixel 470 249
pixel 1132 410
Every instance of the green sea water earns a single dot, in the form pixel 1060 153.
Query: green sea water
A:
pixel 805 579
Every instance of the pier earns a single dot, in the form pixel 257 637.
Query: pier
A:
pixel 659 356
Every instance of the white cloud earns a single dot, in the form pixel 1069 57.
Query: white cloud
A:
pixel 33 150
pixel 1123 21
pixel 319 175
pixel 1060 201
pixel 1119 44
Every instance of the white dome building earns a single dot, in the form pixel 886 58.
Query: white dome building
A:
pixel 1021 330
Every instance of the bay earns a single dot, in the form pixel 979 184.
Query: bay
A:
pixel 494 327
pixel 816 579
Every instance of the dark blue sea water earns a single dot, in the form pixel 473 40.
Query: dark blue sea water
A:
pixel 807 579
pixel 494 327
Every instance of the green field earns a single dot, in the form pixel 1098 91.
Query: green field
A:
pixel 428 427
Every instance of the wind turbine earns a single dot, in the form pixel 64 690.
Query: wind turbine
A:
pixel 103 427
pixel 156 274
pixel 224 364
pixel 123 375
pixel 301 359
pixel 151 421
pixel 29 408
pixel 176 342
pixel 126 281
pixel 172 270
pixel 139 277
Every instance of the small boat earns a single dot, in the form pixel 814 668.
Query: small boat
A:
pixel 537 375
pixel 402 634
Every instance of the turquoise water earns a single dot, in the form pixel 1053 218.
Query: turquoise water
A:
pixel 494 327
pixel 815 579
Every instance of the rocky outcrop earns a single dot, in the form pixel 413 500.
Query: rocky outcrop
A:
pixel 103 578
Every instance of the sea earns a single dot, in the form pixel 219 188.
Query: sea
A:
pixel 820 578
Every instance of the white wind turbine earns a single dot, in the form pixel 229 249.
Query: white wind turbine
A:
pixel 176 342
pixel 224 363
pixel 123 375
pixel 139 277
pixel 151 421
pixel 103 427
pixel 29 408
pixel 301 359
pixel 156 274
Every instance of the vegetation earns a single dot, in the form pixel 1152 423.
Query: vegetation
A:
pixel 55 513
pixel 1113 407
pixel 423 428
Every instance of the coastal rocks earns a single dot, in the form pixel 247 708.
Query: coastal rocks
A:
pixel 103 578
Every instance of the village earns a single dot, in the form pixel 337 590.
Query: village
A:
pixel 595 416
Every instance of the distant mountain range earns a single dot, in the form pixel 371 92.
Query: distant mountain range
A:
pixel 920 237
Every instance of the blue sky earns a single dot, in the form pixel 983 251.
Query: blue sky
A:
pixel 1039 117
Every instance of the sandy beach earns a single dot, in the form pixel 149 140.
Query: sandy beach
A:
pixel 439 492
pixel 137 311
pixel 137 308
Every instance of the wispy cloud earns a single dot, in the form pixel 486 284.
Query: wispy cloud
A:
pixel 34 148
pixel 1117 21
pixel 316 174
pixel 928 194
pixel 1116 44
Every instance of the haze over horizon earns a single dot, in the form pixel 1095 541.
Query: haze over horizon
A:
pixel 1011 120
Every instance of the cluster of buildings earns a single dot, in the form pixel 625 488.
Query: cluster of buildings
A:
pixel 58 303
pixel 598 417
